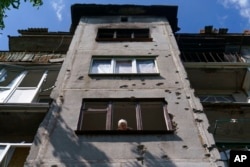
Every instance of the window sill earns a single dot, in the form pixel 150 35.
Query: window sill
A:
pixel 119 132
pixel 124 39
pixel 125 74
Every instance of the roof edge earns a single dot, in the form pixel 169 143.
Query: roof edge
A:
pixel 79 10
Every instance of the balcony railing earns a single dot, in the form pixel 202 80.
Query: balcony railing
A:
pixel 232 130
pixel 211 57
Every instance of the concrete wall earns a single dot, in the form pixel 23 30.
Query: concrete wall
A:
pixel 56 142
pixel 40 43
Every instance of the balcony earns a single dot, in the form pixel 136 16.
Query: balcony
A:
pixel 211 57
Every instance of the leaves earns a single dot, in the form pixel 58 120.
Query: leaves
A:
pixel 7 4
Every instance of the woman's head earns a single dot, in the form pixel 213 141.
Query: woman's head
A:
pixel 122 124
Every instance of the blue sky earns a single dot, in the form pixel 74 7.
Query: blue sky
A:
pixel 193 15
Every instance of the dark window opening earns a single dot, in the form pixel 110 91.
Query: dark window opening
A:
pixel 125 111
pixel 124 33
pixel 34 76
pixel 105 33
pixel 142 115
pixel 124 19
pixel 140 34
pixel 147 115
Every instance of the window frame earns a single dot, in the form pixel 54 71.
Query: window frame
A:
pixel 8 151
pixel 9 91
pixel 228 98
pixel 133 59
pixel 115 32
pixel 109 116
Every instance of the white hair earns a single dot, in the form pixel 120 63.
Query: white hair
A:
pixel 122 121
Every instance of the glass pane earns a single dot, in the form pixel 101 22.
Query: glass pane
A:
pixel 101 66
pixel 95 105
pixel 245 52
pixel 152 116
pixel 18 157
pixel 220 99
pixel 106 33
pixel 124 110
pixel 49 83
pixel 8 77
pixel 124 33
pixel 141 33
pixel 4 94
pixel 22 96
pixel 123 66
pixel 146 66
pixel 211 99
pixel 94 121
pixel 4 157
pixel 31 79
pixel 217 98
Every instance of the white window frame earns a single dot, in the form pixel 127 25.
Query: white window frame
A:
pixel 9 91
pixel 7 152
pixel 134 64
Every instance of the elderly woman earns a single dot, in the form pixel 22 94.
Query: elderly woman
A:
pixel 123 125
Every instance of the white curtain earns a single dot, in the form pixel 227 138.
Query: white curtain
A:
pixel 101 66
pixel 123 66
pixel 146 66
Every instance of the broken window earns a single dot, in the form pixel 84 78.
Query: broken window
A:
pixel 144 115
pixel 124 65
pixel 140 34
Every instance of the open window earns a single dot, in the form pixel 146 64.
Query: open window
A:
pixel 13 154
pixel 123 65
pixel 143 116
pixel 119 34
pixel 25 85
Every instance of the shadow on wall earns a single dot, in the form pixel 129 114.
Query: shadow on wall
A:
pixel 68 149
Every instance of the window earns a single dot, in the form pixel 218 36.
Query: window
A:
pixel 13 154
pixel 20 86
pixel 216 98
pixel 123 65
pixel 124 19
pixel 140 34
pixel 142 115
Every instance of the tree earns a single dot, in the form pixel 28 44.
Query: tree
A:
pixel 7 4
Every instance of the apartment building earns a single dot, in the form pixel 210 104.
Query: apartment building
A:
pixel 123 63
pixel 28 72
pixel 184 95
pixel 217 63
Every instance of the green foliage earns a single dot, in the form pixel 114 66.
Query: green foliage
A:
pixel 8 4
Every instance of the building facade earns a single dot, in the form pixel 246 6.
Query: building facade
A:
pixel 185 96
pixel 217 64
pixel 27 76
pixel 123 63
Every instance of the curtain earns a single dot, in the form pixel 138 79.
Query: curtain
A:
pixel 101 66
pixel 146 66
pixel 123 66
